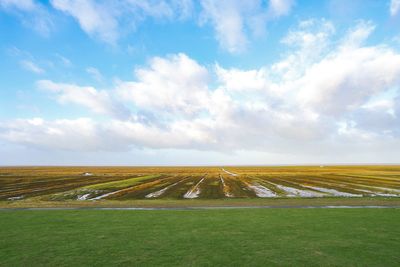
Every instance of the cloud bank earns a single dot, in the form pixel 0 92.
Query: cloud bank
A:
pixel 327 94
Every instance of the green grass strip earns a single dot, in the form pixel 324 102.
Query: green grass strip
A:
pixel 120 184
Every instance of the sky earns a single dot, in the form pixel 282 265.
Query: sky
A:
pixel 186 82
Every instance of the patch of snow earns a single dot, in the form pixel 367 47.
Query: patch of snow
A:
pixel 261 191
pixel 83 197
pixel 332 191
pixel 15 198
pixel 195 191
pixel 106 195
pixel 372 193
pixel 392 190
pixel 160 192
pixel 102 196
pixel 294 192
pixel 230 173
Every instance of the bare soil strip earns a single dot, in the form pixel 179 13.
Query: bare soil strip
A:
pixel 354 182
pixel 225 188
pixel 162 191
pixel 390 180
pixel 141 190
pixel 238 186
pixel 364 188
pixel 211 188
pixel 368 189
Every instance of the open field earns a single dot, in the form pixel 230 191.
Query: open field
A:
pixel 89 186
pixel 204 237
pixel 240 237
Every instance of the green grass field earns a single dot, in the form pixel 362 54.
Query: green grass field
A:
pixel 236 237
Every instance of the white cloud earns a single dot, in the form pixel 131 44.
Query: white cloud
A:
pixel 310 34
pixel 357 35
pixel 184 7
pixel 228 20
pixel 104 19
pixel 242 80
pixel 394 7
pixel 340 77
pixel 343 99
pixel 176 84
pixel 98 101
pixel 348 78
pixel 84 134
pixel 31 66
pixel 31 13
pixel 94 18
pixel 308 41
pixel 95 73
pixel 65 61
pixel 234 20
pixel 78 135
pixel 27 5
pixel 280 7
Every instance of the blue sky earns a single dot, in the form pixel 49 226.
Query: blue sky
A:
pixel 182 82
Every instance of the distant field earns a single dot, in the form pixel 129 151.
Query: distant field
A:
pixel 238 237
pixel 99 184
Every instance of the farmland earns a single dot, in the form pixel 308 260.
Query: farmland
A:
pixel 177 184
pixel 85 216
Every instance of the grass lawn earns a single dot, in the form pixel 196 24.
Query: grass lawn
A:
pixel 235 237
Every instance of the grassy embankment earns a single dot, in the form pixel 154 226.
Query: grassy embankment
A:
pixel 239 237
